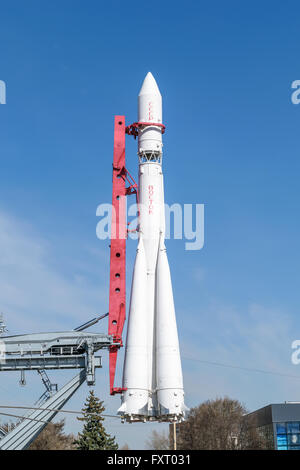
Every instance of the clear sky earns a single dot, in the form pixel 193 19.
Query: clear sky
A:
pixel 232 143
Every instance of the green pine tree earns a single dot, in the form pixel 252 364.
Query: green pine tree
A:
pixel 94 436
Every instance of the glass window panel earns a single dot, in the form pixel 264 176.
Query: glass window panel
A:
pixel 281 440
pixel 293 427
pixel 294 439
pixel 281 428
pixel 282 448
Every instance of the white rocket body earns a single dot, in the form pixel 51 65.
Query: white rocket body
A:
pixel 152 369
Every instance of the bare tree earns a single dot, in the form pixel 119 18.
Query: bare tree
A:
pixel 219 424
pixel 53 438
pixel 125 447
pixel 158 441
pixel 9 426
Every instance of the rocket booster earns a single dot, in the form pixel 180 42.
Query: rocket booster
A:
pixel 152 371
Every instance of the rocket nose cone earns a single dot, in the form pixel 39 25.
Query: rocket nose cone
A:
pixel 149 86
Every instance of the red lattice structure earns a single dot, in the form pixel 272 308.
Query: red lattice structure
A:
pixel 119 231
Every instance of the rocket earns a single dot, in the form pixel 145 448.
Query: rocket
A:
pixel 152 373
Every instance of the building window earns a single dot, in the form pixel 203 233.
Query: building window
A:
pixel 288 435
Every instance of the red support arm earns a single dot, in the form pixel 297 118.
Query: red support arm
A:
pixel 119 231
pixel 117 289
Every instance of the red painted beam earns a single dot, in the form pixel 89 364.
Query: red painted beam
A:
pixel 117 287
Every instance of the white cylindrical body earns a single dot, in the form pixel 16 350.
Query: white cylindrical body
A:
pixel 152 369
pixel 169 383
pixel 135 372
pixel 150 110
pixel 150 186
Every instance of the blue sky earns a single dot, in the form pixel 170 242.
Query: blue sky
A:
pixel 232 143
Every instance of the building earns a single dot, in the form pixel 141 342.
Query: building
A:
pixel 280 424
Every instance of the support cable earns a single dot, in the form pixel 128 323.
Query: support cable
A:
pixel 53 409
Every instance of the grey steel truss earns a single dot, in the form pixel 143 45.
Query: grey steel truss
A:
pixel 73 349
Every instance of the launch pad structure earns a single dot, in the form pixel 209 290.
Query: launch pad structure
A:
pixel 75 349
pixel 152 384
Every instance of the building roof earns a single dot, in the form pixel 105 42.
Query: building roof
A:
pixel 276 413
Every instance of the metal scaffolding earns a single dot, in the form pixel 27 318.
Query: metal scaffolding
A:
pixel 73 349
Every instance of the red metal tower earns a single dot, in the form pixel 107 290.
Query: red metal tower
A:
pixel 119 231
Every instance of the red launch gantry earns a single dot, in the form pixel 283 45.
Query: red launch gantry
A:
pixel 119 231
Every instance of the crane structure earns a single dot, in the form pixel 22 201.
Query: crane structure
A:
pixel 41 352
